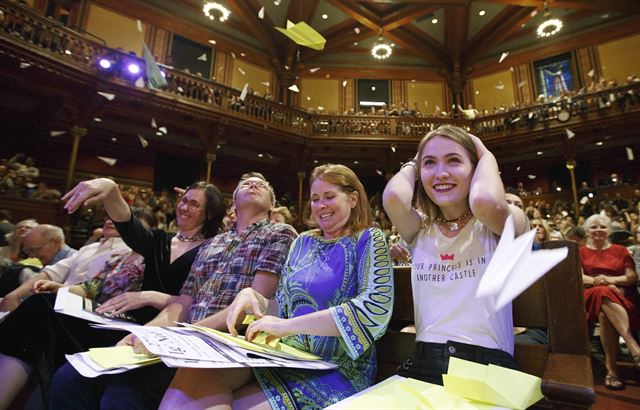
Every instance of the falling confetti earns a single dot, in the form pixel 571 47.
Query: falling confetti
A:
pixel 244 92
pixel 233 55
pixel 107 160
pixel 153 123
pixel 56 133
pixel 25 65
pixel 139 25
pixel 630 156
pixel 265 83
pixel 241 71
pixel 294 88
pixel 203 57
pixel 143 141
pixel 108 96
pixel 314 69
pixel 344 83
pixel 570 134
pixel 357 30
pixel 522 84
pixel 163 130
pixel 591 72
pixel 261 13
pixel 503 56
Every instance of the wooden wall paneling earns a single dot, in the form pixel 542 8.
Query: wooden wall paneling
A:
pixel 347 94
pixel 160 47
pixel 398 92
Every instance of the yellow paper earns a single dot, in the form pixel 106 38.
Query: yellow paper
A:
pixel 280 349
pixel 248 319
pixel 117 356
pixel 304 35
pixel 492 384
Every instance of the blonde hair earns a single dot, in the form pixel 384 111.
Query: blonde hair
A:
pixel 348 182
pixel 457 135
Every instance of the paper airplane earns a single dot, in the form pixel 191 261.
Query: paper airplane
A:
pixel 114 139
pixel 180 89
pixel 97 119
pixel 514 266
pixel 344 83
pixel 492 384
pixel 233 54
pixel 522 84
pixel 591 72
pixel 308 98
pixel 357 30
pixel 107 160
pixel 499 86
pixel 139 82
pixel 530 176
pixel 242 71
pixel 503 56
pixel 303 34
pixel 57 133
pixel 570 134
pixel 265 83
pixel 314 69
pixel 518 168
pixel 203 57
pixel 153 123
pixel 143 141
pixel 163 130
pixel 25 65
pixel 320 108
pixel 139 25
pixel 276 2
pixel 294 88
pixel 261 13
pixel 244 92
pixel 108 96
pixel 286 67
pixel 630 156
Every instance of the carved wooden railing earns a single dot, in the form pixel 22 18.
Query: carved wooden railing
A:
pixel 21 26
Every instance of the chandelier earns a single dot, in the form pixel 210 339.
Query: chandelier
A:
pixel 549 26
pixel 380 49
pixel 214 9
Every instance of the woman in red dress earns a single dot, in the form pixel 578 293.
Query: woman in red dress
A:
pixel 610 294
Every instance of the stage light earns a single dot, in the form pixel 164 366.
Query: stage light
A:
pixel 104 63
pixel 133 68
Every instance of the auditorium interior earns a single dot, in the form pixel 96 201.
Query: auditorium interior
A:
pixel 551 87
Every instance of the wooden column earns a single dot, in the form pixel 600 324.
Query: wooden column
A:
pixel 210 158
pixel 77 133
pixel 571 164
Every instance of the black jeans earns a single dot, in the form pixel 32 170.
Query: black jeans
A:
pixel 431 360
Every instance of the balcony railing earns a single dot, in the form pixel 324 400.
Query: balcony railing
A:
pixel 22 27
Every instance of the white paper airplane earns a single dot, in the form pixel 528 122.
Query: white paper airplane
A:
pixel 630 156
pixel 108 96
pixel 203 57
pixel 294 88
pixel 163 130
pixel 107 160
pixel 261 13
pixel 514 266
pixel 244 92
pixel 139 25
pixel 57 133
pixel 153 123
pixel 570 134
pixel 313 70
pixel 143 141
pixel 503 56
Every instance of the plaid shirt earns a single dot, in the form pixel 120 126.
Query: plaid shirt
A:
pixel 226 264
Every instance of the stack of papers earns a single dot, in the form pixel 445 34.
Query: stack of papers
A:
pixel 109 360
pixel 201 347
pixel 467 385
pixel 75 305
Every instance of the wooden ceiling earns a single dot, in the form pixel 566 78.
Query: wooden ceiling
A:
pixel 443 36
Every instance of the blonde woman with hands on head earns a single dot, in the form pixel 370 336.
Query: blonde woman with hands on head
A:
pixel 452 236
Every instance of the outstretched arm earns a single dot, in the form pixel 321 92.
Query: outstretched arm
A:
pixel 99 190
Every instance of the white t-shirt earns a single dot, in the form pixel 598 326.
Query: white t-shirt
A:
pixel 444 276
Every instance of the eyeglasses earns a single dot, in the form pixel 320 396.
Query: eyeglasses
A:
pixel 35 249
pixel 191 205
pixel 258 184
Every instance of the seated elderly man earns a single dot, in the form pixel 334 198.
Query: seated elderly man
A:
pixel 250 254
pixel 45 242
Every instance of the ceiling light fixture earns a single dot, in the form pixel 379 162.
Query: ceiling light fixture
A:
pixel 549 26
pixel 380 49
pixel 215 10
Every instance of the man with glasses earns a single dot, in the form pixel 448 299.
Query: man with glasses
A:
pixel 250 254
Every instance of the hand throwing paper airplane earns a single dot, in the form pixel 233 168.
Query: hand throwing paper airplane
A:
pixel 303 34
pixel 514 266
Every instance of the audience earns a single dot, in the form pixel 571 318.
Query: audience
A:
pixel 333 300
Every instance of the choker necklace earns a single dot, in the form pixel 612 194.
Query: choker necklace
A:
pixel 194 238
pixel 452 225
